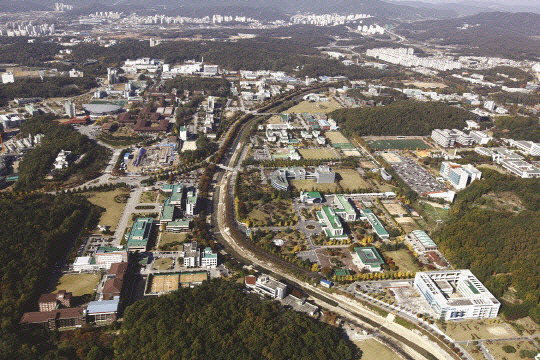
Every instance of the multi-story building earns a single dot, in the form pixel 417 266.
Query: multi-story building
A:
pixel 330 223
pixel 527 147
pixel 70 109
pixel 55 319
pixel 49 302
pixel 343 208
pixel 456 295
pixel 369 259
pixel 369 216
pixel 324 175
pixel 269 286
pixel 209 258
pixel 444 137
pixel 480 137
pixel 140 234
pixel 107 255
pixel 459 175
pixel 192 254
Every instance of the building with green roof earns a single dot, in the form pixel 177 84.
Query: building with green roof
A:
pixel 311 197
pixel 421 241
pixel 373 220
pixel 330 223
pixel 369 258
pixel 140 234
pixel 344 208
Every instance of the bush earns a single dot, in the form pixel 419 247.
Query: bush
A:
pixel 509 349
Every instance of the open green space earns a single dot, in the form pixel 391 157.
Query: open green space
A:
pixel 435 213
pixel 148 197
pixel 78 284
pixel 109 201
pixel 311 185
pixel 316 154
pixel 336 137
pixel 351 179
pixel 398 144
pixel 372 349
pixel 524 350
pixel 479 329
pixel 171 238
pixel 163 263
pixel 402 259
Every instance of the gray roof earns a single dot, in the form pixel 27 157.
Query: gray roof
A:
pixel 101 108
pixel 105 306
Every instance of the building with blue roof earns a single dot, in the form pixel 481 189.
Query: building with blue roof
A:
pixel 105 310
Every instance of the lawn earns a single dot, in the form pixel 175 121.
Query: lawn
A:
pixel 351 179
pixel 479 329
pixel 274 213
pixel 408 224
pixel 113 209
pixel 315 154
pixel 78 284
pixel 434 212
pixel 496 349
pixel 314 107
pixel 382 187
pixel 372 349
pixel 148 197
pixel 400 144
pixel 336 137
pixel 308 185
pixel 167 238
pixel 163 263
pixel 402 259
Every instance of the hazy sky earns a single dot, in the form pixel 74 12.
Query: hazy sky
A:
pixel 475 2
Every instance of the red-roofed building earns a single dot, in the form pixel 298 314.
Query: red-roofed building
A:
pixel 49 302
pixel 82 120
pixel 55 319
pixel 250 280
pixel 145 126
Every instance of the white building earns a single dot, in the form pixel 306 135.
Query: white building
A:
pixel 192 254
pixel 209 258
pixel 456 295
pixel 459 175
pixel 269 286
pixel 8 78
pixel 421 242
pixel 443 137
pixel 527 147
pixel 480 137
pixel 61 161
pixel 69 106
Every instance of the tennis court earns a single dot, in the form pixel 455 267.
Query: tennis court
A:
pixel 165 283
pixel 398 144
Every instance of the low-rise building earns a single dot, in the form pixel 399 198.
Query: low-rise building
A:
pixel 209 258
pixel 103 311
pixel 421 242
pixel 192 254
pixel 55 319
pixel 269 286
pixel 107 255
pixel 456 295
pixel 369 259
pixel 343 208
pixel 49 302
pixel 311 197
pixel 369 216
pixel 330 223
pixel 140 234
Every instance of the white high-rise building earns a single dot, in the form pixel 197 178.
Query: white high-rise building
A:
pixel 70 109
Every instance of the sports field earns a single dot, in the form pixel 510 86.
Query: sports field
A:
pixel 394 208
pixel 398 144
pixel 351 179
pixel 165 283
pixel 315 154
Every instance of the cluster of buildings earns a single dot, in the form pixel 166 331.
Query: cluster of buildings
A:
pixel 193 257
pixel 405 57
pixel 62 160
pixel 102 259
pixel 327 19
pixel 449 138
pixel 510 161
pixel 322 174
pixel 27 29
pixel 178 208
pixel 62 7
pixel 426 249
pixel 459 176
pixel 266 286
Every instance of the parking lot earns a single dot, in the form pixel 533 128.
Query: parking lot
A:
pixel 418 179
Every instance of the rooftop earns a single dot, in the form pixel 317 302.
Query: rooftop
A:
pixel 105 306
pixel 369 256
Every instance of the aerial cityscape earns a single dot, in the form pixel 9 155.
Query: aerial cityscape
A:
pixel 351 179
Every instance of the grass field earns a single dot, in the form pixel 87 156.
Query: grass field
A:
pixel 496 349
pixel 163 263
pixel 314 107
pixel 78 284
pixel 402 259
pixel 148 197
pixel 167 238
pixel 351 179
pixel 113 210
pixel 372 349
pixel 479 329
pixel 308 185
pixel 336 137
pixel 399 144
pixel 315 154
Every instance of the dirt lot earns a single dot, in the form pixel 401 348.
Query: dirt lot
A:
pixel 163 263
pixel 367 165
pixel 78 284
pixel 106 199
pixel 315 154
pixel 336 137
pixel 314 107
pixel 372 349
pixel 479 329
pixel 394 208
pixel 408 224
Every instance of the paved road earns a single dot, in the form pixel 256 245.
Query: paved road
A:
pixel 128 210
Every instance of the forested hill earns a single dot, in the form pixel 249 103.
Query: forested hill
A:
pixel 494 230
pixel 216 320
pixel 37 231
pixel 400 118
